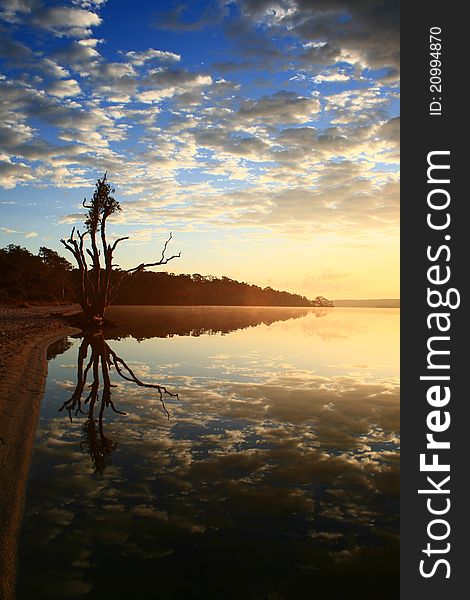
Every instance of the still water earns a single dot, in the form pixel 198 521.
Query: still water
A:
pixel 272 474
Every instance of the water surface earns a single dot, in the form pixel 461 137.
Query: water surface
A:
pixel 275 476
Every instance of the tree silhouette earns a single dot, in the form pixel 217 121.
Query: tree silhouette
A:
pixel 99 283
pixel 42 277
pixel 59 268
pixel 49 277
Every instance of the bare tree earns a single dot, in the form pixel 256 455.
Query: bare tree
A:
pixel 99 282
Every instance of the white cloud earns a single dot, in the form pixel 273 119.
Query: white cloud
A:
pixel 13 173
pixel 201 151
pixel 333 77
pixel 63 20
pixel 183 82
pixel 139 58
pixel 64 88
pixel 90 4
pixel 10 231
pixel 90 42
pixel 54 69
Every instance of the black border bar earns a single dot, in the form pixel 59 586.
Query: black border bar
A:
pixel 424 131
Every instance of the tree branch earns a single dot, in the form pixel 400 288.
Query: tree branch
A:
pixel 162 261
pixel 160 388
pixel 113 247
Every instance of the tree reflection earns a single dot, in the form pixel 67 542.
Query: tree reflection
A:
pixel 92 394
pixel 168 321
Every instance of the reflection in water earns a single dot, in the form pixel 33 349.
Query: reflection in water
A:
pixel 139 324
pixel 58 347
pixel 276 476
pixel 145 322
pixel 96 358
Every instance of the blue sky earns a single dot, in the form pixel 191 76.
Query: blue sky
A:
pixel 263 134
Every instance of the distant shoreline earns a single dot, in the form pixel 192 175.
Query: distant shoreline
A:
pixel 361 303
pixel 369 303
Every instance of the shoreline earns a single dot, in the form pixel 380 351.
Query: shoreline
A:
pixel 25 336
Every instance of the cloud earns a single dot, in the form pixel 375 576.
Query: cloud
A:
pixel 75 21
pixel 331 77
pixel 165 83
pixel 15 52
pixel 11 8
pixel 79 55
pixel 363 33
pixel 139 58
pixel 26 234
pixel 53 68
pixel 174 20
pixel 230 65
pixel 64 88
pixel 281 107
pixel 63 20
pixel 164 78
pixel 14 173
pixel 390 131
pixel 231 144
pixel 200 152
pixel 90 4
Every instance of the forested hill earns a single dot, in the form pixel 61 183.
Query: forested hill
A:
pixel 168 289
pixel 48 277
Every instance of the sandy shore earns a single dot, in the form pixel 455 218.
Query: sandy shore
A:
pixel 25 335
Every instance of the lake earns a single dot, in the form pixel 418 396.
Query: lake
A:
pixel 270 472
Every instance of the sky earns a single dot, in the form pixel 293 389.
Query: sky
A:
pixel 263 134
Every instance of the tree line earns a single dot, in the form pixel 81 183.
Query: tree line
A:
pixel 44 277
pixel 150 288
pixel 49 277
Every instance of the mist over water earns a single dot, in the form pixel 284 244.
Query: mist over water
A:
pixel 275 476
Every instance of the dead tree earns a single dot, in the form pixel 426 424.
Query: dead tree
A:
pixel 99 282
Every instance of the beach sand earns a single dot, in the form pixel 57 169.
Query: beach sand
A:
pixel 25 335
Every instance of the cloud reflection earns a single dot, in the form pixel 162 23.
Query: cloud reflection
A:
pixel 282 479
